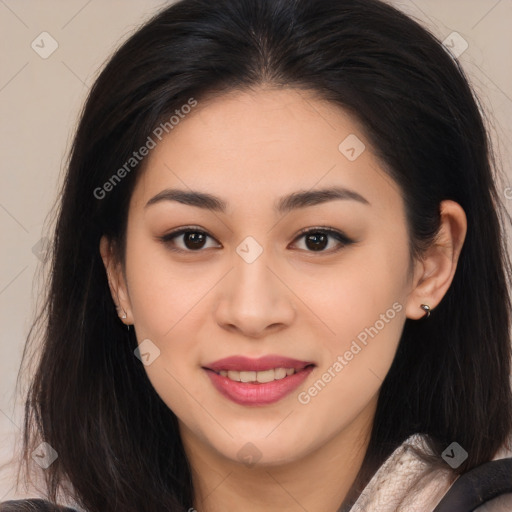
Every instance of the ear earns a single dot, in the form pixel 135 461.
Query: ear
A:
pixel 434 273
pixel 116 281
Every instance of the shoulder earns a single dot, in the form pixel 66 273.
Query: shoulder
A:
pixel 32 505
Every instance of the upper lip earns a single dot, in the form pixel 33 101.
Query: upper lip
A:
pixel 260 364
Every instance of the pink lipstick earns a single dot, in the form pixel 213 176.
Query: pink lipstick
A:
pixel 260 381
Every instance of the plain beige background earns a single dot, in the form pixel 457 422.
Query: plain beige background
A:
pixel 40 99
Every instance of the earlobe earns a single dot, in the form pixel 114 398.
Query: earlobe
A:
pixel 437 268
pixel 116 281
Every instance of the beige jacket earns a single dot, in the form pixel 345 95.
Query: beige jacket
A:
pixel 405 483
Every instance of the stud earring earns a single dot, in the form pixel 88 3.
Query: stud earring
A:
pixel 427 310
pixel 124 316
pixel 121 316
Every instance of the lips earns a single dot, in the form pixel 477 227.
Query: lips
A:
pixel 257 382
pixel 245 364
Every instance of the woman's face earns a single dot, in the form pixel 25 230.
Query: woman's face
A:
pixel 246 282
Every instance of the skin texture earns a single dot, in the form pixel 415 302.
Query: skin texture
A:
pixel 251 148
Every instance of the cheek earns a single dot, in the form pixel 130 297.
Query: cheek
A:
pixel 167 301
pixel 367 314
pixel 367 290
pixel 363 305
pixel 163 293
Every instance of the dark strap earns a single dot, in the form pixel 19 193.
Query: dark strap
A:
pixel 478 486
pixel 32 505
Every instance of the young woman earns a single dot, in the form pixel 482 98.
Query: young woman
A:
pixel 279 278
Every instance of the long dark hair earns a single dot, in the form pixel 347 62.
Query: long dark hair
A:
pixel 118 443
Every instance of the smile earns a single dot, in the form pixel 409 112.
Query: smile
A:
pixel 261 381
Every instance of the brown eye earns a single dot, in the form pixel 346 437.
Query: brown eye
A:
pixel 192 240
pixel 317 239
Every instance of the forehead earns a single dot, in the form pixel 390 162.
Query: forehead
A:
pixel 262 144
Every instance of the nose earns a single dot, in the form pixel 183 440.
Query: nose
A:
pixel 254 299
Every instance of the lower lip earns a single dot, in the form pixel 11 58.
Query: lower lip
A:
pixel 247 393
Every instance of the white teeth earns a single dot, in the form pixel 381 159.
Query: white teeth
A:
pixel 265 376
pixel 247 376
pixel 280 373
pixel 261 377
pixel 234 375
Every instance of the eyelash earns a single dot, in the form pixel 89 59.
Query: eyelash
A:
pixel 341 237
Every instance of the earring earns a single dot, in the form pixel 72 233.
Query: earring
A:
pixel 124 316
pixel 121 316
pixel 427 310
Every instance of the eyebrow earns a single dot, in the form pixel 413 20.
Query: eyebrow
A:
pixel 285 204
